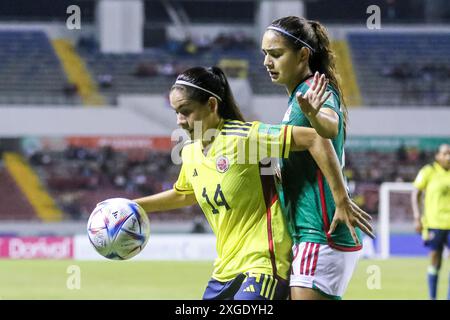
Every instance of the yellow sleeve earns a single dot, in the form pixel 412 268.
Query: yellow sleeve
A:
pixel 183 185
pixel 423 177
pixel 273 141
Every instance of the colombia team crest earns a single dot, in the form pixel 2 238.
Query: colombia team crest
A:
pixel 222 164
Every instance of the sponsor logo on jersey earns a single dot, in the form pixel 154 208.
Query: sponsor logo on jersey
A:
pixel 250 288
pixel 222 164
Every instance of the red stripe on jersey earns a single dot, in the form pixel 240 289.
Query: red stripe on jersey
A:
pixel 309 82
pixel 346 249
pixel 316 256
pixel 308 262
pixel 326 222
pixel 270 236
pixel 284 142
pixel 270 197
pixel 302 264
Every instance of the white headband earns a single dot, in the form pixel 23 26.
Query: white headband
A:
pixel 186 83
pixel 290 35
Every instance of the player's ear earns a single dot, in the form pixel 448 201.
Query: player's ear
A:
pixel 213 105
pixel 303 54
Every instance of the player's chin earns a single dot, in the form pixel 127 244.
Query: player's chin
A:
pixel 275 79
pixel 278 81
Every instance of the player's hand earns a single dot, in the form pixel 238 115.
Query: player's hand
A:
pixel 418 225
pixel 352 216
pixel 315 97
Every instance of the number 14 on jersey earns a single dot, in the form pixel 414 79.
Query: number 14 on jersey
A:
pixel 219 199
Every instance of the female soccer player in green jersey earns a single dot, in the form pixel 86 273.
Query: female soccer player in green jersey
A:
pixel 326 243
pixel 221 171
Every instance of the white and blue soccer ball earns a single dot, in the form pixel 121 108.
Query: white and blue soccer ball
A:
pixel 118 228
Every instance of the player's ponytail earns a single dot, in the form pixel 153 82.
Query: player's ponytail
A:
pixel 228 109
pixel 323 60
pixel 206 83
pixel 299 33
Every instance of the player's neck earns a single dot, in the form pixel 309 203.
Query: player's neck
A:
pixel 207 143
pixel 302 78
pixel 442 166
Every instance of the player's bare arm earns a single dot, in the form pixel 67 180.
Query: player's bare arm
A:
pixel 347 211
pixel 303 138
pixel 416 201
pixel 325 156
pixel 166 200
pixel 325 121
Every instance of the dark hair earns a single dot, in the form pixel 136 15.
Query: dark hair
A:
pixel 323 58
pixel 214 80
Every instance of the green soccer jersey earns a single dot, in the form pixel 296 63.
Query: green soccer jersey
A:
pixel 305 194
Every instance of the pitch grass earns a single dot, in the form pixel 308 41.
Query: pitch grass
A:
pixel 398 279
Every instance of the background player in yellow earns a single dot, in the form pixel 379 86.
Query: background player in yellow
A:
pixel 432 218
pixel 221 171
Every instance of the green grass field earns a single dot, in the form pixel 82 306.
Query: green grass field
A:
pixel 38 279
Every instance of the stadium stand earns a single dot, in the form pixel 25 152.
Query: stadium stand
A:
pixel 414 70
pixel 78 178
pixel 392 69
pixel 30 70
pixel 15 205
pixel 394 81
pixel 366 170
pixel 154 71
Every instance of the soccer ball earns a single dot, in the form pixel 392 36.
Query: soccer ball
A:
pixel 118 228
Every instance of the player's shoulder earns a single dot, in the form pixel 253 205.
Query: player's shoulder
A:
pixel 237 129
pixel 424 175
pixel 188 147
pixel 188 143
pixel 427 169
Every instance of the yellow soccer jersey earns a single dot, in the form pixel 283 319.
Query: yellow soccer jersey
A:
pixel 239 202
pixel 435 181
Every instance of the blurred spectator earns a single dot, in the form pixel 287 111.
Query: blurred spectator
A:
pixel 92 173
pixel 87 43
pixel 401 153
pixel 70 204
pixel 105 80
pixel 70 89
pixel 146 69
pixel 198 225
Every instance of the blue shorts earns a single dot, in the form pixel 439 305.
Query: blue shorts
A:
pixel 248 286
pixel 437 238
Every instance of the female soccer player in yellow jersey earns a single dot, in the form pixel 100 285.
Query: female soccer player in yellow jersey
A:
pixel 433 180
pixel 221 172
pixel 326 242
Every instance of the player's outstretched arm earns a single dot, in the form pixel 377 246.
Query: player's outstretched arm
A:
pixel 303 138
pixel 325 121
pixel 325 156
pixel 347 211
pixel 167 200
